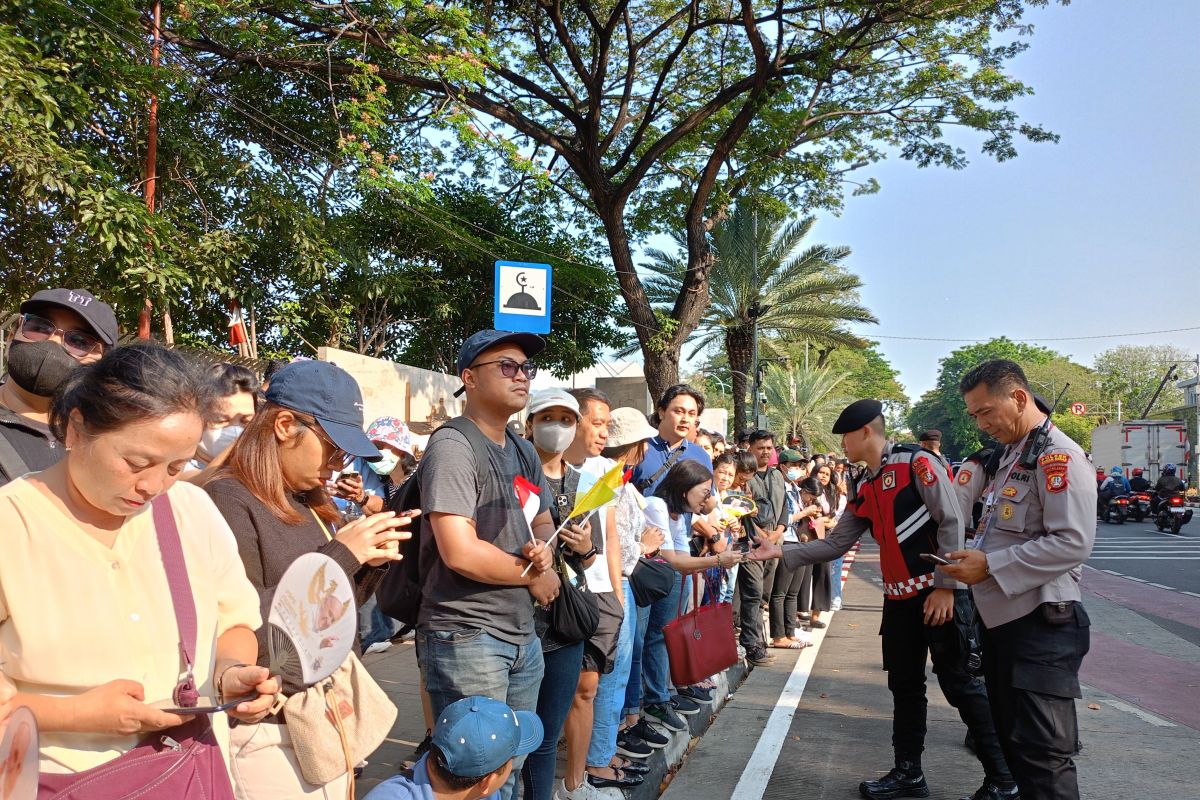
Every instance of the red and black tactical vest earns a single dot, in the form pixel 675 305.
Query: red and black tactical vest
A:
pixel 900 522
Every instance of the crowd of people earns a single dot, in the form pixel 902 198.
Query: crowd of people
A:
pixel 175 496
pixel 102 443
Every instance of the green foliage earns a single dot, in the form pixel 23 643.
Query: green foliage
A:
pixel 635 111
pixel 802 293
pixel 943 407
pixel 806 403
pixel 1132 373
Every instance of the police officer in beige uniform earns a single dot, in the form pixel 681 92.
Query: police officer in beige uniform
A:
pixel 1037 529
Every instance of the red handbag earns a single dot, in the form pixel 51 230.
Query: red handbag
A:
pixel 700 643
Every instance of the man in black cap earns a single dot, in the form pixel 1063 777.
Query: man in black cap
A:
pixel 931 440
pixel 475 631
pixel 58 329
pixel 905 497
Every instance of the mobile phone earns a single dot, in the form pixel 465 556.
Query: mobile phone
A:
pixel 933 558
pixel 204 705
pixel 349 475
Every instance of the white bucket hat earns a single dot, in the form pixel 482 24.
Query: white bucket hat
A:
pixel 628 426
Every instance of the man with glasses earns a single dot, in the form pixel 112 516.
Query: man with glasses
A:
pixel 475 631
pixel 57 330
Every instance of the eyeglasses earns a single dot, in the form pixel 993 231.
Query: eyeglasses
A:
pixel 340 458
pixel 79 344
pixel 508 367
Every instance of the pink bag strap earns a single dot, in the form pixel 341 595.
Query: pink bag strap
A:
pixel 186 695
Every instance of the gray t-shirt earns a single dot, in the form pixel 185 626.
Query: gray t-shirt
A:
pixel 449 485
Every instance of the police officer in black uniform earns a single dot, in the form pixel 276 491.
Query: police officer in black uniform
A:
pixel 1037 529
pixel 905 498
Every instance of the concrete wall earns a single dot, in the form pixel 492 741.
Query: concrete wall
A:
pixel 398 390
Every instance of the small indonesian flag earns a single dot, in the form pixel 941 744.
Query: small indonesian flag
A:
pixel 237 327
pixel 527 496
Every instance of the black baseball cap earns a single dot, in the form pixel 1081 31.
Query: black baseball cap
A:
pixel 476 343
pixel 329 394
pixel 97 314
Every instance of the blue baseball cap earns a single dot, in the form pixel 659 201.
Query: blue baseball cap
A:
pixel 477 342
pixel 478 735
pixel 329 394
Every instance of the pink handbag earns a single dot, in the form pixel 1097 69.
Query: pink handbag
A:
pixel 183 762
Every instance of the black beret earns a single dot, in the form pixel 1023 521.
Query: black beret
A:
pixel 931 435
pixel 1041 404
pixel 857 414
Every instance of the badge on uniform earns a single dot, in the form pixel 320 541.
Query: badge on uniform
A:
pixel 921 467
pixel 889 480
pixel 1009 491
pixel 1006 511
pixel 1056 478
pixel 964 476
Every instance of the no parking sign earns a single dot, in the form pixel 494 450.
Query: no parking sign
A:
pixel 1078 409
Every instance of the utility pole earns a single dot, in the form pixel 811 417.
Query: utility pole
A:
pixel 151 182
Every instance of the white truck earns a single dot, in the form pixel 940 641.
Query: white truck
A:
pixel 1147 443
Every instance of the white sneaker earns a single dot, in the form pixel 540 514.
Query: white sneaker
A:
pixel 837 604
pixel 380 647
pixel 585 791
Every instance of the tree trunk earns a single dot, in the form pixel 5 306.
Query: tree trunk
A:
pixel 739 349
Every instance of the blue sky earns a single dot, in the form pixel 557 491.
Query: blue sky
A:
pixel 1095 235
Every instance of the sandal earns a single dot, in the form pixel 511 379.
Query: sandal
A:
pixel 789 646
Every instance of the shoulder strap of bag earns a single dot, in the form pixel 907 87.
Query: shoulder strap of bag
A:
pixel 479 444
pixel 670 462
pixel 186 694
pixel 11 463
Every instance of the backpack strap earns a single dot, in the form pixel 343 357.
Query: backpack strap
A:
pixel 12 466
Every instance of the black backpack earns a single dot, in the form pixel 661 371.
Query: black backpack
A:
pixel 399 591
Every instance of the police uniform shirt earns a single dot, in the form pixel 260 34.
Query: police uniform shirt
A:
pixel 969 484
pixel 1040 530
pixel 938 497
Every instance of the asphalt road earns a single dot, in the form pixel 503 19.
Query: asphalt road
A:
pixel 1136 550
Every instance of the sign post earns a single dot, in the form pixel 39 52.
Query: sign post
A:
pixel 522 297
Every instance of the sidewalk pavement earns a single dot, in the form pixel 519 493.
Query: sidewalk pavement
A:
pixel 1139 717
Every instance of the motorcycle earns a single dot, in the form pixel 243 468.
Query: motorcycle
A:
pixel 1139 505
pixel 1172 513
pixel 1116 510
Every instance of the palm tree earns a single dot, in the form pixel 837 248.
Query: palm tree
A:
pixel 809 401
pixel 799 293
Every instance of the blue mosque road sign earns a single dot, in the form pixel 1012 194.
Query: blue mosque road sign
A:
pixel 522 301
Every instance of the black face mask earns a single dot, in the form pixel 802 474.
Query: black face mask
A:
pixel 39 367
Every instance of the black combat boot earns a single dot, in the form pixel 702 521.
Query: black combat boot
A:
pixel 993 790
pixel 905 780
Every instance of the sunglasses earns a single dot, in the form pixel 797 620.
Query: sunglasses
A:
pixel 78 344
pixel 340 458
pixel 509 368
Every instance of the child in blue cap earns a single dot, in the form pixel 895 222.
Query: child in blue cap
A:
pixel 474 744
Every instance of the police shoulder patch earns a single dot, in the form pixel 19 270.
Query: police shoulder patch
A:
pixel 1056 478
pixel 1054 458
pixel 1009 491
pixel 964 476
pixel 924 472
pixel 889 480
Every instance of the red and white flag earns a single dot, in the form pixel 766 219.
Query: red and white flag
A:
pixel 527 496
pixel 237 325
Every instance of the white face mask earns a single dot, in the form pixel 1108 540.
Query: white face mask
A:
pixel 794 474
pixel 385 465
pixel 215 441
pixel 553 437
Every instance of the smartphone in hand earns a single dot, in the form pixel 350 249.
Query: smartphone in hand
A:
pixel 934 558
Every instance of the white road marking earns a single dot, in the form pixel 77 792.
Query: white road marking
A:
pixel 1139 580
pixel 1112 572
pixel 1159 585
pixel 1193 594
pixel 753 783
pixel 1140 713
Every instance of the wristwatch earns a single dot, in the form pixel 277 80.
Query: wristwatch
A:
pixel 588 554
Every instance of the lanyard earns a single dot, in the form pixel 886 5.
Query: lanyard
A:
pixel 990 503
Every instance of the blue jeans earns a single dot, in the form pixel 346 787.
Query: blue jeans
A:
pixel 836 573
pixel 730 584
pixel 554 701
pixel 633 686
pixel 610 694
pixel 373 625
pixel 656 669
pixel 465 662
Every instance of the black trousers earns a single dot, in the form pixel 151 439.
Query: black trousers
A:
pixel 750 614
pixel 907 642
pixel 1032 670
